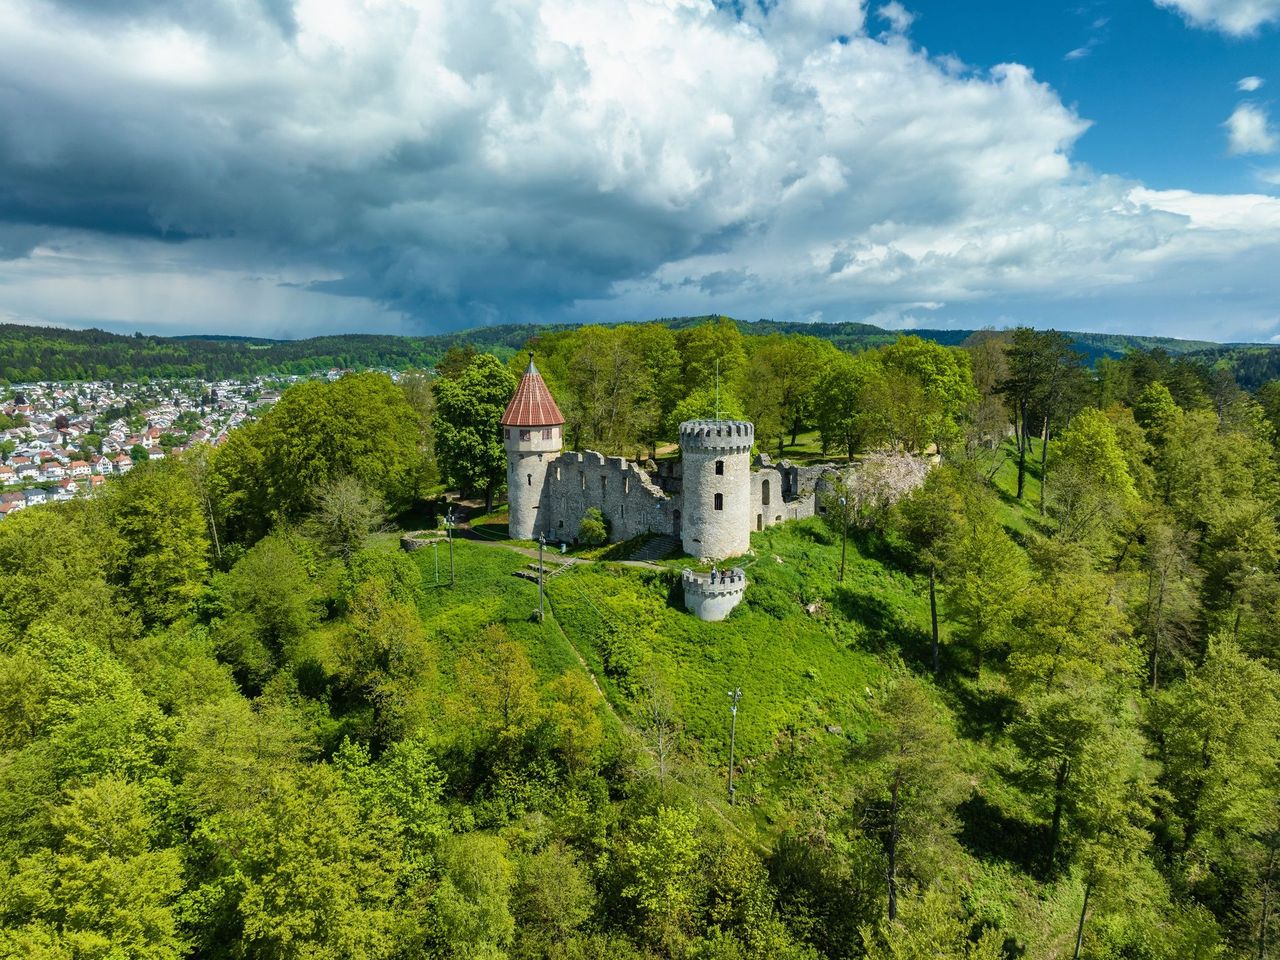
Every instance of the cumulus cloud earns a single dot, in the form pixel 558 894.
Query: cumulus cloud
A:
pixel 399 165
pixel 898 16
pixel 1238 18
pixel 1249 84
pixel 1249 131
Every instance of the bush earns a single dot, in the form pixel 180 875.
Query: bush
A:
pixel 594 529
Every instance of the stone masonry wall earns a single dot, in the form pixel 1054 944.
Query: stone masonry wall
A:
pixel 616 487
pixel 716 498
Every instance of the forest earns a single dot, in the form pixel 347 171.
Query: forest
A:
pixel 1029 709
pixel 29 354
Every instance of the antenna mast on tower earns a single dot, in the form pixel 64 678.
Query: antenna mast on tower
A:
pixel 717 388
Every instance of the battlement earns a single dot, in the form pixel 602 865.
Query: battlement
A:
pixel 627 472
pixel 715 582
pixel 720 436
pixel 711 596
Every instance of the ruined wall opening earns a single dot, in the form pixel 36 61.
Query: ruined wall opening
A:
pixel 764 493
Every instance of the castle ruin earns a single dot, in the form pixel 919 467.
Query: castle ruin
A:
pixel 710 499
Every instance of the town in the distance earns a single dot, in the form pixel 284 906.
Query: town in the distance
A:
pixel 62 440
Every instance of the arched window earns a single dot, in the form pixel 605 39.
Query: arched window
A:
pixel 719 501
pixel 719 468
pixel 764 493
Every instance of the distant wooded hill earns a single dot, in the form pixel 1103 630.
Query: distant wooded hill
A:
pixel 49 353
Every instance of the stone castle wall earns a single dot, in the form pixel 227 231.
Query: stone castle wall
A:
pixel 716 487
pixel 550 491
pixel 619 489
pixel 712 597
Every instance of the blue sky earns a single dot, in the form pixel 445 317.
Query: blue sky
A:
pixel 1156 90
pixel 293 167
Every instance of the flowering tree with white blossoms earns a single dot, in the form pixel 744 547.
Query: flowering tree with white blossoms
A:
pixel 875 485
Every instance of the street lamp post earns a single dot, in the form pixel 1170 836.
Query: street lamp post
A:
pixel 542 542
pixel 844 534
pixel 734 696
pixel 448 525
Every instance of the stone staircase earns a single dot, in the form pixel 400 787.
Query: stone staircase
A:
pixel 655 548
pixel 549 570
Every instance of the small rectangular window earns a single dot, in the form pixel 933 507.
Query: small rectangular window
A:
pixel 719 468
pixel 525 434
pixel 547 434
pixel 719 501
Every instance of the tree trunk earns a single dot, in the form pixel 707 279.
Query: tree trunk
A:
pixel 891 850
pixel 1265 917
pixel 1154 661
pixel 1020 431
pixel 1080 929
pixel 1059 798
pixel 488 499
pixel 933 614
pixel 1044 462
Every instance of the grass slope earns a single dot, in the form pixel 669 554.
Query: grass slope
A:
pixel 807 682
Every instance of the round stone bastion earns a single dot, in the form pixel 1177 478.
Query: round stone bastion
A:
pixel 710 596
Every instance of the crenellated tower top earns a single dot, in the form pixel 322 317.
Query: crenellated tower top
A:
pixel 717 436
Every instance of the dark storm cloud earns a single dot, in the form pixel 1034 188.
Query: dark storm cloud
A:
pixel 335 162
pixel 204 15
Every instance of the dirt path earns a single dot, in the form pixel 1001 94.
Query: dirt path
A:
pixel 549 556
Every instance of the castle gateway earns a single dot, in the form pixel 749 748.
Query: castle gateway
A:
pixel 711 499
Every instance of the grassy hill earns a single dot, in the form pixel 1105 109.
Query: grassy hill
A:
pixel 810 656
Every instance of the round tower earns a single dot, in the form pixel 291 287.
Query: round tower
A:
pixel 533 433
pixel 716 495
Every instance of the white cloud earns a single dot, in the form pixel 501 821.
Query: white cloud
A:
pixel 1079 53
pixel 1249 131
pixel 1235 17
pixel 384 164
pixel 898 16
pixel 1249 84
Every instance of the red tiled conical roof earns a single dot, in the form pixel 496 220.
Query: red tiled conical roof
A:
pixel 532 405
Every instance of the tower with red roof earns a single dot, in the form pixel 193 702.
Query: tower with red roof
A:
pixel 533 432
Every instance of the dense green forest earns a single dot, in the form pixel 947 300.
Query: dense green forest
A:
pixel 46 353
pixel 1038 716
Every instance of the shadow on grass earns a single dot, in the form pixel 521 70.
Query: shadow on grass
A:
pixel 423 515
pixel 989 834
pixel 980 712
pixel 490 530
pixel 883 624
